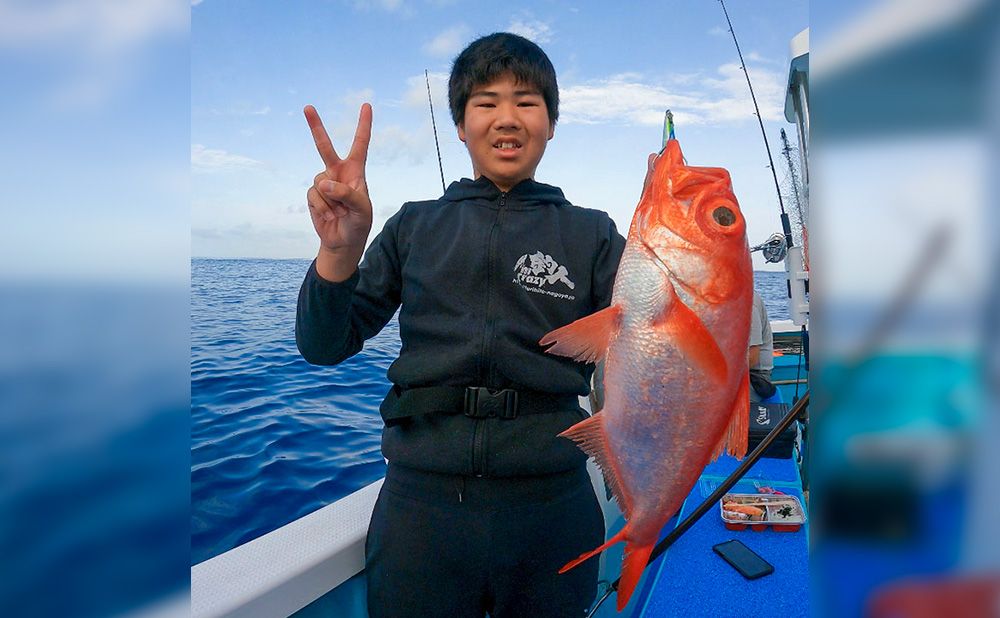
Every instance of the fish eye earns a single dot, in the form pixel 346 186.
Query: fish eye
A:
pixel 723 216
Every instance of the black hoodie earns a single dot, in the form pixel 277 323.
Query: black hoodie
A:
pixel 478 276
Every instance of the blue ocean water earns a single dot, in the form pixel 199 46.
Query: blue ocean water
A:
pixel 93 446
pixel 272 437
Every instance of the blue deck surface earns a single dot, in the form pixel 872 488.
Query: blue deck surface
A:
pixel 691 580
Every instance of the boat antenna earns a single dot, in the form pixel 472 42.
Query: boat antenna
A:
pixel 786 150
pixel 786 226
pixel 434 126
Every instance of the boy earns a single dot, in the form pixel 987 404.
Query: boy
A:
pixel 482 502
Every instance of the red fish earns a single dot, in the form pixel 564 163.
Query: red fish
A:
pixel 674 342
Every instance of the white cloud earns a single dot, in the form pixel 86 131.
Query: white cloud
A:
pixel 207 160
pixel 242 110
pixel 448 43
pixel 391 143
pixel 620 100
pixel 533 30
pixel 768 85
pixel 92 48
pixel 717 31
pixel 630 99
pixel 389 6
pixel 756 57
pixel 196 2
pixel 396 144
pixel 415 95
pixel 89 26
pixel 353 99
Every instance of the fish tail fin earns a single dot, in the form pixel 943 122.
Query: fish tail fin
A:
pixel 734 439
pixel 634 562
pixel 590 436
pixel 590 554
pixel 586 339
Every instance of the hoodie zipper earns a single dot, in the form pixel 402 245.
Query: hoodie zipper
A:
pixel 486 366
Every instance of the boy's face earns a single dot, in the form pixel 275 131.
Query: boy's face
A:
pixel 506 128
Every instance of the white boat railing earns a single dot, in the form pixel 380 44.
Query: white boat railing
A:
pixel 287 569
pixel 784 326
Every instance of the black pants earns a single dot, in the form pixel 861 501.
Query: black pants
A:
pixel 456 546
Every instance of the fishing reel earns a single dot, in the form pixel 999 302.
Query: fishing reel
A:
pixel 773 249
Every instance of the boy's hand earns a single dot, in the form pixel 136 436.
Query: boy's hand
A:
pixel 339 205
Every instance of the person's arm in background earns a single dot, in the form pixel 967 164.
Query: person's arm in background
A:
pixel 756 333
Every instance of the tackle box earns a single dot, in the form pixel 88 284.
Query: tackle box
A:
pixel 782 512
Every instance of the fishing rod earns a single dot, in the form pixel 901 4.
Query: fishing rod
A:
pixel 785 224
pixel 716 495
pixel 799 306
pixel 434 126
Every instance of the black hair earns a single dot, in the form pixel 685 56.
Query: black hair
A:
pixel 489 57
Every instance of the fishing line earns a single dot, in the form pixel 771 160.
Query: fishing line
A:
pixel 786 226
pixel 716 495
pixel 434 126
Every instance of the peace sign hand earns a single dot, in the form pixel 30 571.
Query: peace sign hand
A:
pixel 339 205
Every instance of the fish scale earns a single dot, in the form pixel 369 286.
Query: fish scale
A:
pixel 674 340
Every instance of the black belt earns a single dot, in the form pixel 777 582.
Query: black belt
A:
pixel 472 401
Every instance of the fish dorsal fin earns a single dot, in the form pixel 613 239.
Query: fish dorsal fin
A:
pixel 734 438
pixel 586 339
pixel 688 332
pixel 590 436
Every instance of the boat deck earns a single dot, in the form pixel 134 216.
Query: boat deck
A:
pixel 691 580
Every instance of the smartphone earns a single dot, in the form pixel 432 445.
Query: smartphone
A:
pixel 743 559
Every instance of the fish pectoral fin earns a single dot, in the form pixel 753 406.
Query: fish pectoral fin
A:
pixel 633 564
pixel 586 339
pixel 734 438
pixel 688 332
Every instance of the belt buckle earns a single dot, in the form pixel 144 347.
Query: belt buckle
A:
pixel 480 402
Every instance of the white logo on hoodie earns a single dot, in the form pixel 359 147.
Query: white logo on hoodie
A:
pixel 536 271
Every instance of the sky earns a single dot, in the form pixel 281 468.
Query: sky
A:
pixel 95 140
pixel 255 65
